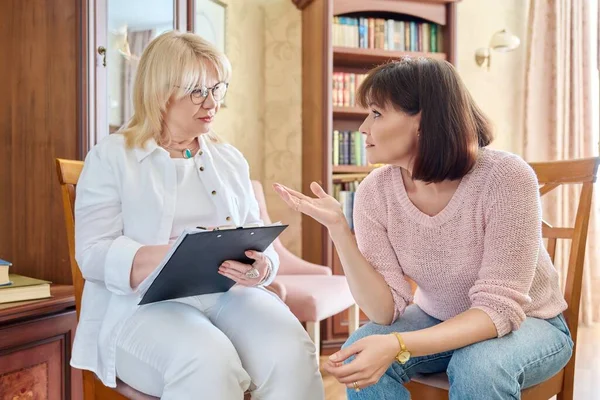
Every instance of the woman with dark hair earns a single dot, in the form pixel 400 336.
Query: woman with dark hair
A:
pixel 460 220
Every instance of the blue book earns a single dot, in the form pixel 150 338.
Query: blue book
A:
pixel 4 266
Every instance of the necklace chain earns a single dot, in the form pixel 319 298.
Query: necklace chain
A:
pixel 187 152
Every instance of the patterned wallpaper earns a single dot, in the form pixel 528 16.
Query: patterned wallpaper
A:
pixel 262 114
pixel 241 120
pixel 283 112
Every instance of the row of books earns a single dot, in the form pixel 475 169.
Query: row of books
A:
pixel 344 88
pixel 379 33
pixel 15 287
pixel 344 193
pixel 349 148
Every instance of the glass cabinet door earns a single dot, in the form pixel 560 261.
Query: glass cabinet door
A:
pixel 119 32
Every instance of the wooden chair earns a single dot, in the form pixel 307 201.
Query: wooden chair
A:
pixel 93 389
pixel 550 176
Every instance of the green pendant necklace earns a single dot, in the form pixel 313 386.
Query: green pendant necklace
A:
pixel 187 153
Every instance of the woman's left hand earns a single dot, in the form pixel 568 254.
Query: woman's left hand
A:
pixel 324 209
pixel 373 356
pixel 237 271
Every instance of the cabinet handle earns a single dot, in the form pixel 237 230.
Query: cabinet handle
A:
pixel 102 52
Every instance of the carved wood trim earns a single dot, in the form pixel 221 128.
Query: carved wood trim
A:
pixel 301 4
pixel 26 383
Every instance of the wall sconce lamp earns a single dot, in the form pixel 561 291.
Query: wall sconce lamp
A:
pixel 502 41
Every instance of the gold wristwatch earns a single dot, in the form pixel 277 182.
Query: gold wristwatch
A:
pixel 403 355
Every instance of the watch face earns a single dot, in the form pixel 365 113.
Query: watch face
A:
pixel 404 357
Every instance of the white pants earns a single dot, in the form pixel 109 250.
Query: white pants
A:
pixel 216 347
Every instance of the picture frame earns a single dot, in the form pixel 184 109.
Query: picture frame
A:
pixel 210 22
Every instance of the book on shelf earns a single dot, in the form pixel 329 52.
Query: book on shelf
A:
pixel 349 148
pixel 344 193
pixel 344 88
pixel 22 288
pixel 4 267
pixel 390 34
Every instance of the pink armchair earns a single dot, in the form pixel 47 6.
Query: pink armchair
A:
pixel 311 291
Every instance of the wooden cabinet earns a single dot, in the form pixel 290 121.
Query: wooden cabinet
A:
pixel 55 103
pixel 38 122
pixel 35 349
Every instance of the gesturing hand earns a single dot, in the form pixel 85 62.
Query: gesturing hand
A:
pixel 373 356
pixel 241 273
pixel 324 208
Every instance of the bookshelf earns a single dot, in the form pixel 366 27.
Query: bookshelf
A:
pixel 361 57
pixel 349 112
pixel 424 28
pixel 352 169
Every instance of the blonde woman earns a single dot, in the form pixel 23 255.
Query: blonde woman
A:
pixel 138 191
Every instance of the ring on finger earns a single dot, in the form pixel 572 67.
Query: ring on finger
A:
pixel 356 387
pixel 252 273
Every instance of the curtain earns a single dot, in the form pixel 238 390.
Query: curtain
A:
pixel 138 40
pixel 558 120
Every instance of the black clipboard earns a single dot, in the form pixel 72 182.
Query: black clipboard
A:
pixel 192 267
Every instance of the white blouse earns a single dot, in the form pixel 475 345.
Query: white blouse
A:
pixel 194 206
pixel 128 198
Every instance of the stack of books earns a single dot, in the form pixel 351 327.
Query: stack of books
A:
pixel 15 287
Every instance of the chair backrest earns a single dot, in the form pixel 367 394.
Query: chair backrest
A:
pixel 264 215
pixel 289 263
pixel 552 175
pixel 259 193
pixel 68 174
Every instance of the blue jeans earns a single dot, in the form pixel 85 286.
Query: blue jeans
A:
pixel 493 369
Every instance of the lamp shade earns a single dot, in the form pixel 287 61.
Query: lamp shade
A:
pixel 504 41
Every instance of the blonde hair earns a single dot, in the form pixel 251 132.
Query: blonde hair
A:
pixel 171 65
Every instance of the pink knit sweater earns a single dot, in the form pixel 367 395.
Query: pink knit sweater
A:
pixel 483 250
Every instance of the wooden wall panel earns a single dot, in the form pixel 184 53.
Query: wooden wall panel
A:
pixel 38 119
pixel 316 122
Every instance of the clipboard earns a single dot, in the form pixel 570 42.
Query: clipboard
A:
pixel 191 267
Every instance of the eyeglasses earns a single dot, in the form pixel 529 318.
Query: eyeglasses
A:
pixel 200 94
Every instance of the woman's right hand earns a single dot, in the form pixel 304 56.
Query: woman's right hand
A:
pixel 324 208
pixel 145 261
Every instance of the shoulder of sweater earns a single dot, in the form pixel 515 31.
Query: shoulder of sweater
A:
pixel 371 191
pixel 506 169
pixel 376 180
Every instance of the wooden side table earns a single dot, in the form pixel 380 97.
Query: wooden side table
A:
pixel 35 348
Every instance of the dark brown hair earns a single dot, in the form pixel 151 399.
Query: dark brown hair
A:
pixel 452 128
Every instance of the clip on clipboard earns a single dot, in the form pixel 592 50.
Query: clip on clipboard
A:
pixel 191 267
